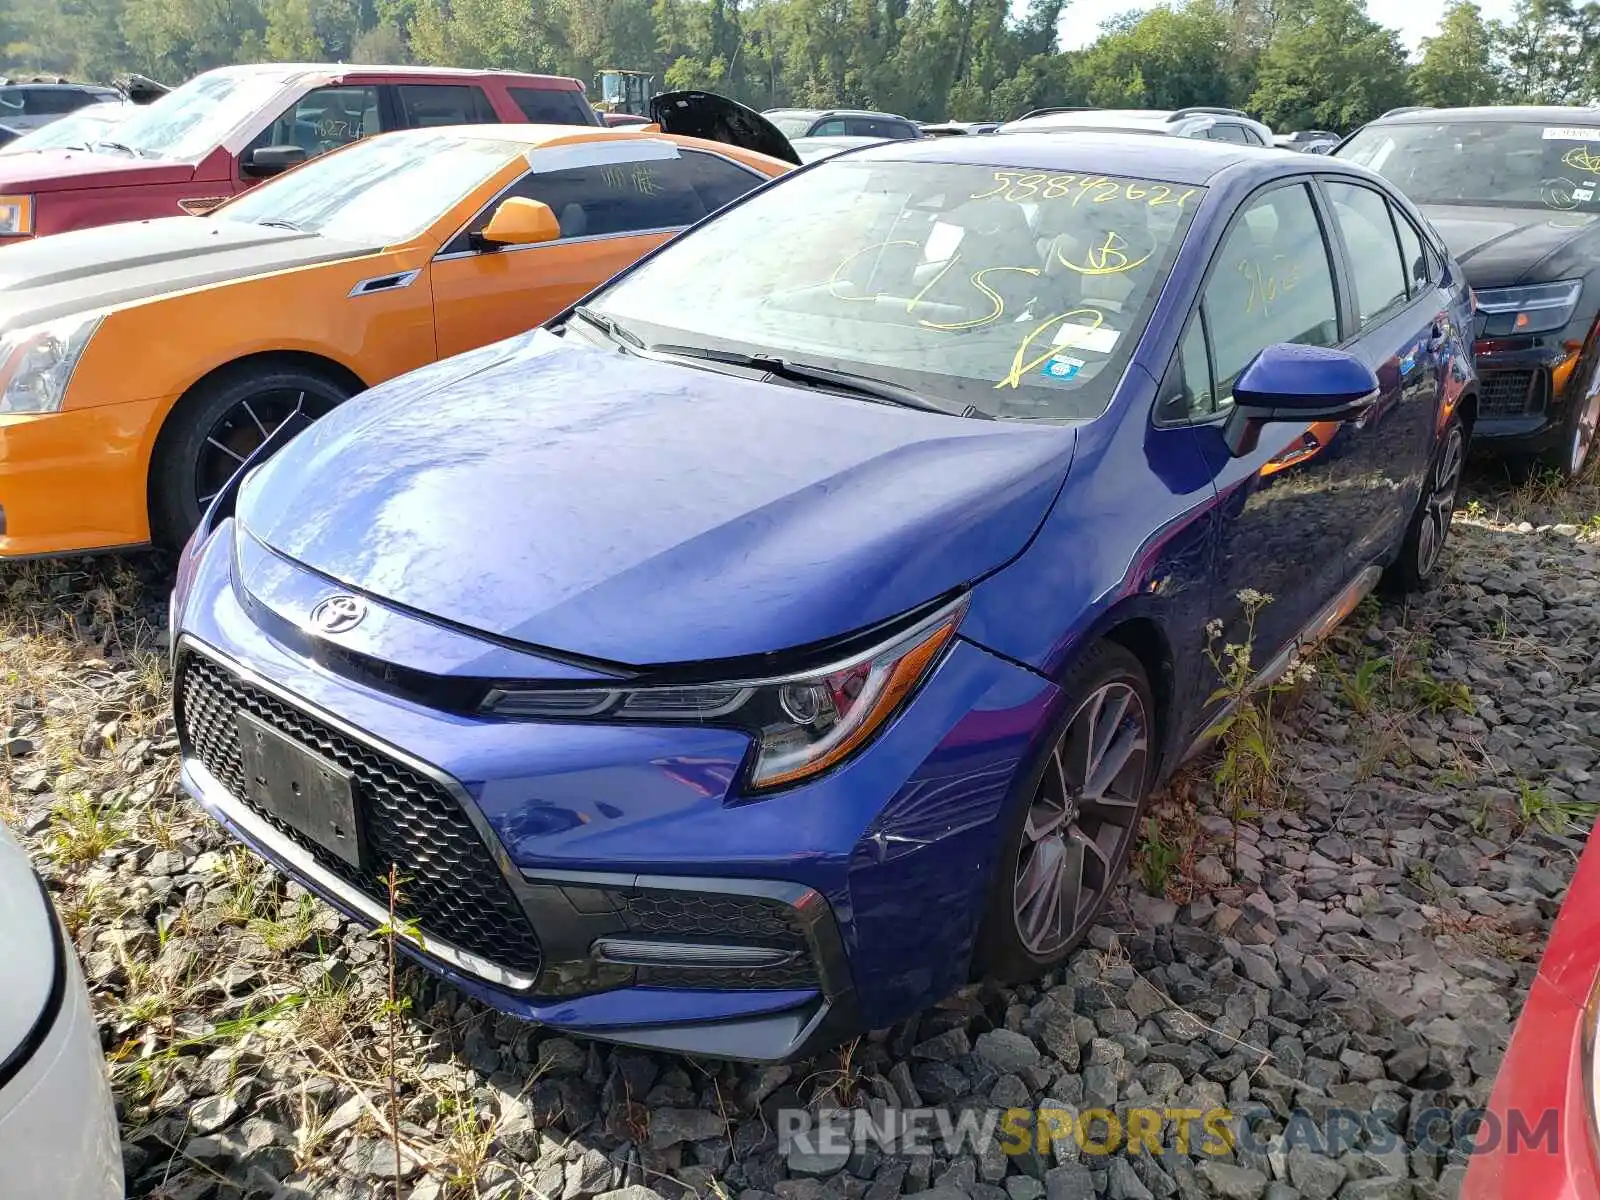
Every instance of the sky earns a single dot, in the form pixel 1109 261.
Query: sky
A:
pixel 1415 19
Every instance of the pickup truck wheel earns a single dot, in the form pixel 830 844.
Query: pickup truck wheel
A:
pixel 214 429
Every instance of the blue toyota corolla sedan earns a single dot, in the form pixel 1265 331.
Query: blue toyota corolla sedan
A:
pixel 794 629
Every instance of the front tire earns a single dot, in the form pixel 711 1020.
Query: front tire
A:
pixel 1578 436
pixel 1429 529
pixel 1070 843
pixel 215 428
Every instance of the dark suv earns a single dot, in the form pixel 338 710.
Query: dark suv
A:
pixel 1515 193
pixel 26 106
pixel 841 122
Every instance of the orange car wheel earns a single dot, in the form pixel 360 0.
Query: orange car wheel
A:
pixel 216 427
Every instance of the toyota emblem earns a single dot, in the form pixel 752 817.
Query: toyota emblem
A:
pixel 338 614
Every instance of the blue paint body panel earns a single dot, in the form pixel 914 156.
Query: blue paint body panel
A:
pixel 543 511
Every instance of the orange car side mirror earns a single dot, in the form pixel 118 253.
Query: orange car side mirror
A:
pixel 521 222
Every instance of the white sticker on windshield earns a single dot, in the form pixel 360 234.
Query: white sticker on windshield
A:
pixel 1583 194
pixel 1563 133
pixel 1086 337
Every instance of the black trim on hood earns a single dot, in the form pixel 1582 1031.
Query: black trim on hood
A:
pixel 11 1066
pixel 719 119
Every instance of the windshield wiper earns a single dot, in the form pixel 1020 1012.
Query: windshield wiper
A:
pixel 608 327
pixel 117 146
pixel 805 373
pixel 280 223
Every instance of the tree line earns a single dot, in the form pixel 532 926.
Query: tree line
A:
pixel 1296 64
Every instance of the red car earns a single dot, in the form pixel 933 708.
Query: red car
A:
pixel 226 129
pixel 1538 1137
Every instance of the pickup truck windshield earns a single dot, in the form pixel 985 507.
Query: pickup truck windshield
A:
pixel 192 120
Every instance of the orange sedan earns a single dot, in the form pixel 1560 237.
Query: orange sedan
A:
pixel 140 364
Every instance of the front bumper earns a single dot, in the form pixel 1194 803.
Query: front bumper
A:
pixel 608 880
pixel 76 480
pixel 1527 387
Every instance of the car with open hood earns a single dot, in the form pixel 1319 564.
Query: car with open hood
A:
pixel 228 129
pixel 1515 193
pixel 141 363
pixel 796 626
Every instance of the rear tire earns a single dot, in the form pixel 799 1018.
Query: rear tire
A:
pixel 218 425
pixel 1429 529
pixel 1070 842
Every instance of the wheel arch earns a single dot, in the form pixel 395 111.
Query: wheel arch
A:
pixel 301 360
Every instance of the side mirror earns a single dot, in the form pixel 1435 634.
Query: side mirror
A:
pixel 519 222
pixel 1296 384
pixel 271 160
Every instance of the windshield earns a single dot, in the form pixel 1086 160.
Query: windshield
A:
pixel 1523 164
pixel 74 131
pixel 381 191
pixel 1017 293
pixel 192 120
pixel 793 126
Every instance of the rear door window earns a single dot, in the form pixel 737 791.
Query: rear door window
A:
pixel 423 105
pixel 832 127
pixel 1376 269
pixel 548 106
pixel 717 180
pixel 1227 131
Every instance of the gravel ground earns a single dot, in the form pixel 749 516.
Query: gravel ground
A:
pixel 1358 936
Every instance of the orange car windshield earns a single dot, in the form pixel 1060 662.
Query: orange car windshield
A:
pixel 380 191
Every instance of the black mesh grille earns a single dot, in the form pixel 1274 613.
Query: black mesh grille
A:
pixel 721 918
pixel 1506 394
pixel 454 891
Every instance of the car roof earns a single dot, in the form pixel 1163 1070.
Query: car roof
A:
pixel 535 136
pixel 1188 161
pixel 291 70
pixel 1533 114
pixel 831 112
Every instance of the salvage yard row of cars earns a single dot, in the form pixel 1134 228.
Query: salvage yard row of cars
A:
pixel 742 637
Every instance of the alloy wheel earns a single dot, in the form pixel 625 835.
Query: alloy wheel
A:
pixel 1081 820
pixel 239 434
pixel 1583 435
pixel 1441 502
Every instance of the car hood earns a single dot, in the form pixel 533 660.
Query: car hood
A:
pixel 60 170
pixel 719 119
pixel 95 268
pixel 644 513
pixel 1498 247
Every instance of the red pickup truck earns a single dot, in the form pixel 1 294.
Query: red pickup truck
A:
pixel 226 129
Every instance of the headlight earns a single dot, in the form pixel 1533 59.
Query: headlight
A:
pixel 803 724
pixel 16 216
pixel 1534 308
pixel 36 363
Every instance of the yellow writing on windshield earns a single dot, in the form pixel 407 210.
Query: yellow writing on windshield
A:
pixel 1108 256
pixel 997 305
pixel 1021 364
pixel 849 259
pixel 1582 158
pixel 1020 186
